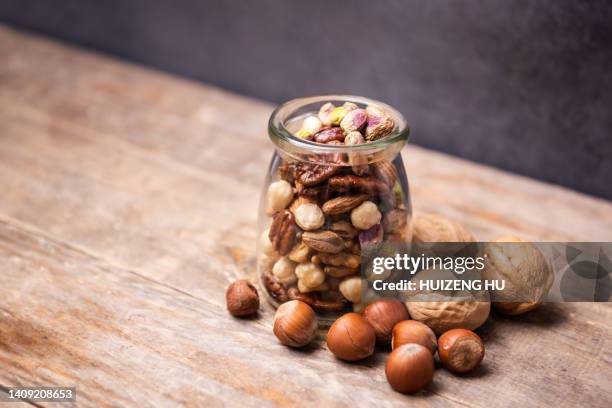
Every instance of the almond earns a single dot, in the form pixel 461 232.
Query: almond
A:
pixel 323 241
pixel 342 204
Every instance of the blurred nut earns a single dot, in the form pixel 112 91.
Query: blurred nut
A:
pixel 351 288
pixel 349 106
pixel 284 271
pixel 344 228
pixel 343 203
pixel 325 113
pixel 295 324
pixel 339 271
pixel 312 124
pixel 341 259
pixel 383 315
pixel 242 298
pixel 436 228
pixel 396 220
pixel 353 138
pixel 306 289
pixel 323 241
pixel 337 115
pixel 365 216
pixel 379 124
pixel 280 194
pixel 354 120
pixel 309 217
pixel 443 316
pixel 311 275
pixel 300 253
pixel 372 236
pixel 266 244
pixel 328 135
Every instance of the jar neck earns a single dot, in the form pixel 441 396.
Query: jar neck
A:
pixel 291 146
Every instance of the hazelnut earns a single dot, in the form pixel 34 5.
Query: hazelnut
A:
pixel 460 350
pixel 413 332
pixel 325 113
pixel 242 298
pixel 409 368
pixel 311 125
pixel 309 216
pixel 284 271
pixel 383 315
pixel 302 288
pixel 354 120
pixel 279 195
pixel 351 338
pixel 527 274
pixel 310 275
pixel 266 246
pixel 351 288
pixel 295 324
pixel 365 216
pixel 379 123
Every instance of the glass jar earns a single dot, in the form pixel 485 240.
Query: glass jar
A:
pixel 323 203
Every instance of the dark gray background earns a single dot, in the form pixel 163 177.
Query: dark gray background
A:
pixel 522 85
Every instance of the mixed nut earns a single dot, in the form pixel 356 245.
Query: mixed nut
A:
pixel 327 207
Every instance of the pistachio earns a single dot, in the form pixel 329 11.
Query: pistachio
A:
pixel 349 106
pixel 325 113
pixel 353 138
pixel 379 125
pixel 342 204
pixel 358 161
pixel 337 115
pixel 371 236
pixel 323 241
pixel 304 134
pixel 354 120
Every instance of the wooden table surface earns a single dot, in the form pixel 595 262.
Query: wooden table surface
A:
pixel 128 203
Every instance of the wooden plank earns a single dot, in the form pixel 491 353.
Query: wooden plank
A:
pixel 134 155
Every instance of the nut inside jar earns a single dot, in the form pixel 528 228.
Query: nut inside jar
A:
pixel 321 208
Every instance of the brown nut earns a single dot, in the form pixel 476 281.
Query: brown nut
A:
pixel 443 316
pixel 242 298
pixel 460 350
pixel 342 204
pixel 383 315
pixel 527 274
pixel 429 228
pixel 329 134
pixel 323 241
pixel 379 125
pixel 413 332
pixel 295 324
pixel 409 368
pixel 351 338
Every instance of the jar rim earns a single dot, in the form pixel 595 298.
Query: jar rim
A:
pixel 284 139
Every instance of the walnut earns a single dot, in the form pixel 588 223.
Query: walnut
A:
pixel 283 232
pixel 355 184
pixel 527 274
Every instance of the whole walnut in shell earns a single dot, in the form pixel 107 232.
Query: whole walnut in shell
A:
pixel 436 228
pixel 527 274
pixel 446 310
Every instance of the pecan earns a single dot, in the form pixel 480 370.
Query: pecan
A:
pixel 318 193
pixel 318 304
pixel 328 134
pixel 283 232
pixel 342 204
pixel 352 183
pixel 288 171
pixel 311 174
pixel 344 228
pixel 274 288
pixel 384 170
pixel 339 271
pixel 340 259
pixel 323 241
pixel 396 220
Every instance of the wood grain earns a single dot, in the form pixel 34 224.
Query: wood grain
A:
pixel 129 202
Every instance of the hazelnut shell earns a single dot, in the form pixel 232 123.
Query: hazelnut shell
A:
pixel 351 338
pixel 413 332
pixel 295 324
pixel 383 315
pixel 460 350
pixel 242 298
pixel 409 368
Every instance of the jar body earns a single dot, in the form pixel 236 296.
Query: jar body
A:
pixel 318 211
